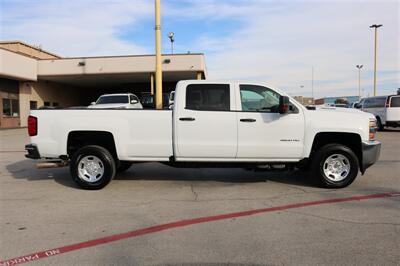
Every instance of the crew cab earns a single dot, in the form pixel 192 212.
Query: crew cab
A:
pixel 212 124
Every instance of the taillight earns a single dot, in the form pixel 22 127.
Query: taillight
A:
pixel 387 104
pixel 372 129
pixel 32 126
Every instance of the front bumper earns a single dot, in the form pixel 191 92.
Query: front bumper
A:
pixel 33 151
pixel 370 154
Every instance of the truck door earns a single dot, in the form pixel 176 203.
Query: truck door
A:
pixel 263 133
pixel 205 126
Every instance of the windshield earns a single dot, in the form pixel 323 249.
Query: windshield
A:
pixel 113 99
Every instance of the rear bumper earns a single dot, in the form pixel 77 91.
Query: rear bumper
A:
pixel 32 151
pixel 370 154
pixel 392 123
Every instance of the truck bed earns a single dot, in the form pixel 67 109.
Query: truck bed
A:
pixel 143 135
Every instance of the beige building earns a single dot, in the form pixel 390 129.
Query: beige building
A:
pixel 31 78
pixel 304 100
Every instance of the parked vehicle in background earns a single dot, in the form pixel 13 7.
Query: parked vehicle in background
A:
pixel 171 98
pixel 212 124
pixel 386 109
pixel 148 101
pixel 117 100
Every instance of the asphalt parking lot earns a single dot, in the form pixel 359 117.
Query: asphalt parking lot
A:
pixel 43 210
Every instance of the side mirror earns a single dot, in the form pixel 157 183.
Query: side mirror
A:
pixel 92 103
pixel 134 101
pixel 284 104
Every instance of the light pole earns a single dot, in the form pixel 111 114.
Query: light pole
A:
pixel 158 98
pixel 359 80
pixel 171 37
pixel 312 83
pixel 375 26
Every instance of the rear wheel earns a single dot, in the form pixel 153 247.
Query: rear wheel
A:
pixel 379 124
pixel 335 166
pixel 92 167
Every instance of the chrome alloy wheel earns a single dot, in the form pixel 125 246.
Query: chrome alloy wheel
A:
pixel 90 169
pixel 336 167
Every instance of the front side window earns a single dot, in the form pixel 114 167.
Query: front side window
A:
pixel 259 99
pixel 367 103
pixel 208 97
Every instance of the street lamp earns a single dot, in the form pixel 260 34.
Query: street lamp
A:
pixel 359 80
pixel 375 26
pixel 171 37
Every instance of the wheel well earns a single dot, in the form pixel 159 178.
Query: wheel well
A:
pixel 78 139
pixel 351 140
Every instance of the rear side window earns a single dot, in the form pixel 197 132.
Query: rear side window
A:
pixel 395 101
pixel 375 102
pixel 208 97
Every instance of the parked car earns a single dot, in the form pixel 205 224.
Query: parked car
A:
pixel 212 124
pixel 386 109
pixel 118 100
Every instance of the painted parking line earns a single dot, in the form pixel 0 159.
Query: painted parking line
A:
pixel 182 223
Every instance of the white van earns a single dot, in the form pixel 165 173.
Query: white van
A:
pixel 386 109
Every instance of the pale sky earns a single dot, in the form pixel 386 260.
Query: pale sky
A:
pixel 277 42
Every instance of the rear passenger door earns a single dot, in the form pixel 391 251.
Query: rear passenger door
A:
pixel 205 127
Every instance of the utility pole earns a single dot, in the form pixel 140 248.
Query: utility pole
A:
pixel 312 83
pixel 158 98
pixel 359 80
pixel 375 26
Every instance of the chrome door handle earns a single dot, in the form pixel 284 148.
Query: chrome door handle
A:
pixel 247 120
pixel 187 119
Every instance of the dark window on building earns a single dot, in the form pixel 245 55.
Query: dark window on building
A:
pixel 10 107
pixel 46 103
pixel 6 107
pixel 15 107
pixel 33 105
pixel 55 104
pixel 208 97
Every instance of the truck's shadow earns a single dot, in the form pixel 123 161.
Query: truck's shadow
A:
pixel 26 169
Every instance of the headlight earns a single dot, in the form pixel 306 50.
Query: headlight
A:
pixel 372 128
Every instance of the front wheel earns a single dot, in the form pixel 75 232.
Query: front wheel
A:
pixel 92 167
pixel 335 166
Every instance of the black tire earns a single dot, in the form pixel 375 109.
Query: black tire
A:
pixel 101 158
pixel 123 166
pixel 319 164
pixel 379 124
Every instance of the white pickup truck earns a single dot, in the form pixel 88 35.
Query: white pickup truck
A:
pixel 212 124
